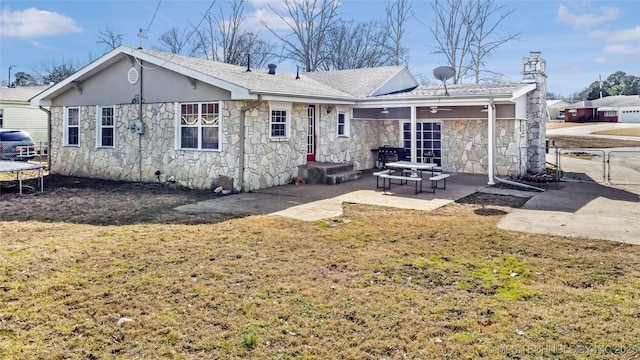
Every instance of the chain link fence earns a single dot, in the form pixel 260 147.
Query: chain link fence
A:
pixel 606 166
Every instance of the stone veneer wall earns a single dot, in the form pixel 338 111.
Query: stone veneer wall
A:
pixel 194 169
pixel 273 162
pixel 364 135
pixel 465 145
pixel 267 163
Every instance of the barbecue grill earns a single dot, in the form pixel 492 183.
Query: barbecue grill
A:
pixel 388 154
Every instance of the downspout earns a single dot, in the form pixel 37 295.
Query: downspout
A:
pixel 140 134
pixel 48 136
pixel 491 152
pixel 492 141
pixel 243 110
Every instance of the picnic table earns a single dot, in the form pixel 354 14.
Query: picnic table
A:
pixel 414 171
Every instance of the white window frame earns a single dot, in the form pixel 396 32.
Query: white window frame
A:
pixel 100 127
pixel 67 127
pixel 1 117
pixel 280 106
pixel 198 124
pixel 346 132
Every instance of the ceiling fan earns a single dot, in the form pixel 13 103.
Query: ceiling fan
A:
pixel 435 109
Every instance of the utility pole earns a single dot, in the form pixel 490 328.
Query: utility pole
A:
pixel 9 79
pixel 600 81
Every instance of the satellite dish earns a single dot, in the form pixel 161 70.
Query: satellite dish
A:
pixel 444 73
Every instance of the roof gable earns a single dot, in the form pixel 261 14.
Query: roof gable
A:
pixel 366 82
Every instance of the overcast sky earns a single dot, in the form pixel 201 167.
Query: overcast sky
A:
pixel 580 40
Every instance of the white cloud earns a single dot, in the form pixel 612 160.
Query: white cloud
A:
pixel 598 34
pixel 601 60
pixel 585 21
pixel 625 35
pixel 272 20
pixel 621 49
pixel 31 23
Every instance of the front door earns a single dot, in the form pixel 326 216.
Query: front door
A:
pixel 311 133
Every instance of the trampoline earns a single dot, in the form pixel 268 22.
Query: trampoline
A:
pixel 19 167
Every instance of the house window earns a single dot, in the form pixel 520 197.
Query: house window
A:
pixel 279 121
pixel 200 126
pixel 1 117
pixel 343 124
pixel 72 127
pixel 106 127
pixel 610 113
pixel 428 142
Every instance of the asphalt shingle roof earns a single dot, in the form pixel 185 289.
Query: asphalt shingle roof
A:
pixel 359 83
pixel 610 101
pixel 460 90
pixel 258 80
pixel 20 93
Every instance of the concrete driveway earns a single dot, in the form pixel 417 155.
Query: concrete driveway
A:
pixel 585 208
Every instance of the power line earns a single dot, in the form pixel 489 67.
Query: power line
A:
pixel 153 17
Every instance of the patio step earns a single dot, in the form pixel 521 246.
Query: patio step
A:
pixel 339 178
pixel 328 173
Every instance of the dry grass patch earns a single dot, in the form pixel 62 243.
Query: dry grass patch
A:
pixel 560 125
pixel 633 131
pixel 375 283
pixel 578 142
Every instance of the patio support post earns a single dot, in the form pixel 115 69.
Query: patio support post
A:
pixel 414 157
pixel 491 119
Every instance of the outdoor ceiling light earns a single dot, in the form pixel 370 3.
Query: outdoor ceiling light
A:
pixel 384 111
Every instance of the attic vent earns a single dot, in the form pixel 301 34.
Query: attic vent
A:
pixel 272 69
pixel 133 76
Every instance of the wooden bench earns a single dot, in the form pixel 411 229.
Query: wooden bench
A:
pixel 403 180
pixel 436 178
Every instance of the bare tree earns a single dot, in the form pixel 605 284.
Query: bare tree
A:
pixel 177 41
pixel 223 38
pixel 466 32
pixel 357 45
pixel 398 13
pixel 310 21
pixel 53 71
pixel 233 43
pixel 452 32
pixel 485 37
pixel 110 38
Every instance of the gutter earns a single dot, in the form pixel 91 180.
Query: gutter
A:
pixel 48 136
pixel 243 110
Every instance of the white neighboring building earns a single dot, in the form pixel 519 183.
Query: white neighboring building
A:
pixel 556 109
pixel 16 112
